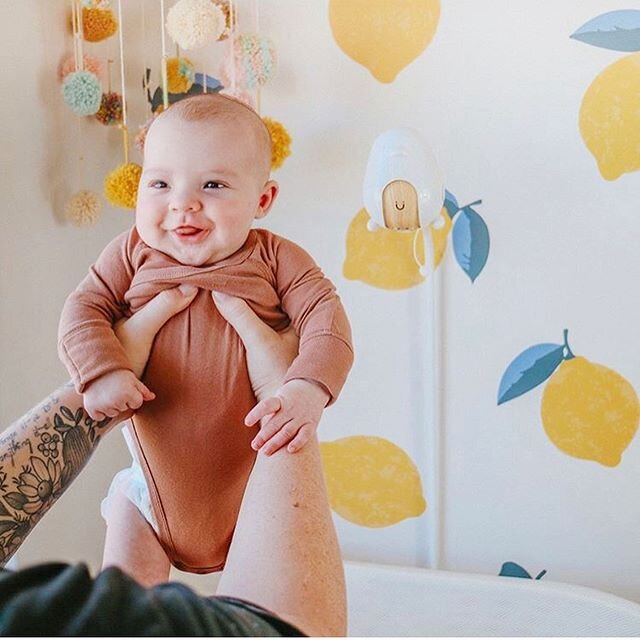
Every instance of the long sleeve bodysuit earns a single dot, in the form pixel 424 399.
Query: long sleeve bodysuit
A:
pixel 193 446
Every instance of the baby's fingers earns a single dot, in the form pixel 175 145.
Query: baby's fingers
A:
pixel 262 409
pixel 302 437
pixel 282 437
pixel 146 393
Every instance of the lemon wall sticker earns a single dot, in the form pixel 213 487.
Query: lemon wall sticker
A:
pixel 384 35
pixel 609 116
pixel 588 411
pixel 389 259
pixel 371 481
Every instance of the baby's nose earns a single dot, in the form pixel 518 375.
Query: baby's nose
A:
pixel 185 203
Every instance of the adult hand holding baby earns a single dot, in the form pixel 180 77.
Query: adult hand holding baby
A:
pixel 121 391
pixel 290 413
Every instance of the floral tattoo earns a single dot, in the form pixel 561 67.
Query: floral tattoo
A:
pixel 41 459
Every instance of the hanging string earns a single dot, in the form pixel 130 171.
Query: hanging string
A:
pixel 232 37
pixel 125 132
pixel 165 83
pixel 74 27
pixel 80 35
pixel 145 66
pixel 256 5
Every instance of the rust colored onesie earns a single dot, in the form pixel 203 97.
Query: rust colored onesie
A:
pixel 192 443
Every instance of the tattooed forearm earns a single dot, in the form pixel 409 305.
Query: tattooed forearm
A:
pixel 40 455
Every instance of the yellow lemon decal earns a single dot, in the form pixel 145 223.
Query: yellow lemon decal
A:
pixel 384 258
pixel 384 35
pixel 371 481
pixel 590 411
pixel 610 118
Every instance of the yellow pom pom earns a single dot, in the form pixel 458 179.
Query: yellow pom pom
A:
pixel 180 75
pixel 121 185
pixel 98 24
pixel 83 209
pixel 280 142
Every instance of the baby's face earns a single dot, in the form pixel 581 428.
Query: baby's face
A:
pixel 199 191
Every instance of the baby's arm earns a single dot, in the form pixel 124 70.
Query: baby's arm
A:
pixel 113 393
pixel 317 375
pixel 87 344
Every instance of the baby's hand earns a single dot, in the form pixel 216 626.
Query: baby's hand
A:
pixel 291 416
pixel 113 393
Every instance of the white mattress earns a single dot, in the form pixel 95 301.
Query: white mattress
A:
pixel 398 601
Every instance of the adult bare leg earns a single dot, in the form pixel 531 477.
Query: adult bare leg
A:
pixel 284 555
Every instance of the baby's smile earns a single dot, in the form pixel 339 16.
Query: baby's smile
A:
pixel 189 234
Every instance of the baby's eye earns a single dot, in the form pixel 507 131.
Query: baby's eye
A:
pixel 212 184
pixel 158 184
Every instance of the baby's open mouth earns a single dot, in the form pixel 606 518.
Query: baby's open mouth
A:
pixel 190 234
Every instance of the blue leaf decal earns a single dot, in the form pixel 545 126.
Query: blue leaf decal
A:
pixel 513 570
pixel 196 89
pixel 532 367
pixel 617 30
pixel 212 83
pixel 471 242
pixel 450 203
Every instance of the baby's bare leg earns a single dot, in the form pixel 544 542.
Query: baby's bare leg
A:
pixel 285 554
pixel 131 544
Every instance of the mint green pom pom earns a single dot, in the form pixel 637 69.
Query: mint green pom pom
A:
pixel 82 92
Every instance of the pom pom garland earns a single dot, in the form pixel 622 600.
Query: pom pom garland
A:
pixel 90 63
pixel 121 185
pixel 81 90
pixel 83 209
pixel 98 24
pixel 194 23
pixel 180 75
pixel 253 60
pixel 280 142
pixel 110 111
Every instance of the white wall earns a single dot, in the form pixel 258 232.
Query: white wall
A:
pixel 497 94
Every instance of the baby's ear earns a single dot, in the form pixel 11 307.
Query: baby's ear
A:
pixel 267 198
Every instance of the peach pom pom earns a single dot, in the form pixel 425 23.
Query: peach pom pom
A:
pixel 121 185
pixel 83 209
pixel 140 137
pixel 280 142
pixel 98 24
pixel 91 64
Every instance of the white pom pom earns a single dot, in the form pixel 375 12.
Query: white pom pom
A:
pixel 195 23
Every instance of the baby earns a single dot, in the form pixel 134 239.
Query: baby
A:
pixel 205 179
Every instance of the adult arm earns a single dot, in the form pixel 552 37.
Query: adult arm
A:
pixel 44 451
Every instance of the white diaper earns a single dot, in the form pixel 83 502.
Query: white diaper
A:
pixel 132 483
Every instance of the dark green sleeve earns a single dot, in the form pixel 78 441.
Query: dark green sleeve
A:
pixel 64 600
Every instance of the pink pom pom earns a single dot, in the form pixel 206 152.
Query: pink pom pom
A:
pixel 68 65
